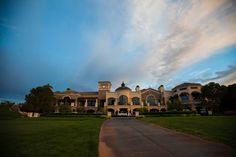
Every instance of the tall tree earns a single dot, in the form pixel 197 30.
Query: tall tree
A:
pixel 40 99
pixel 212 94
pixel 229 99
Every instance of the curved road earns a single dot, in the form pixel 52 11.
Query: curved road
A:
pixel 128 137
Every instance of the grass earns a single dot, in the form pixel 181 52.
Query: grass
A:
pixel 42 137
pixel 216 128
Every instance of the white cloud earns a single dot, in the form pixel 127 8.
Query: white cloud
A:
pixel 177 35
pixel 163 37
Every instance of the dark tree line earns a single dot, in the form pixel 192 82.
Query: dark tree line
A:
pixel 218 98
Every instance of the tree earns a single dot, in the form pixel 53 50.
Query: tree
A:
pixel 212 94
pixel 40 99
pixel 229 100
pixel 65 107
pixel 174 104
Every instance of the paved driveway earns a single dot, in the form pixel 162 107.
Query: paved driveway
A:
pixel 127 137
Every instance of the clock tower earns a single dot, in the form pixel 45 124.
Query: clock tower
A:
pixel 103 87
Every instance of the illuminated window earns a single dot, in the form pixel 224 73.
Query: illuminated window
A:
pixel 123 100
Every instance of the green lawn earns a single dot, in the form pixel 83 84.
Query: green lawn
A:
pixel 42 137
pixel 217 128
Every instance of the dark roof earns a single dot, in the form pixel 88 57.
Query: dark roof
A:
pixel 123 87
pixel 186 84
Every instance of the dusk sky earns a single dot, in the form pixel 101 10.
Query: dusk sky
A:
pixel 76 43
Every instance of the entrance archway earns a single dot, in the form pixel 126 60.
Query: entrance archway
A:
pixel 154 110
pixel 123 112
pixel 111 110
pixel 134 110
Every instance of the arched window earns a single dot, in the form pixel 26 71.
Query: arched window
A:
pixel 67 100
pixel 123 100
pixel 151 100
pixel 184 97
pixel 111 101
pixel 135 101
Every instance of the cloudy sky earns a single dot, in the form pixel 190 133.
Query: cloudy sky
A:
pixel 76 43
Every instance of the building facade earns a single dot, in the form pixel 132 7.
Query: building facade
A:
pixel 125 100
pixel 188 94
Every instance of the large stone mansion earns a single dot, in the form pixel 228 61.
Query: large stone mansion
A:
pixel 126 100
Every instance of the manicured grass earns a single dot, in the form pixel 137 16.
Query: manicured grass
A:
pixel 42 137
pixel 217 128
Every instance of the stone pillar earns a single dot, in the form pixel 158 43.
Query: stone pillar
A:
pixel 116 101
pixel 96 103
pixel 57 107
pixel 86 103
pixel 109 114
pixel 191 101
pixel 131 103
pixel 76 102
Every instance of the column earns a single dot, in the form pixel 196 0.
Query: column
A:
pixel 96 103
pixel 191 102
pixel 115 101
pixel 57 107
pixel 105 103
pixel 76 102
pixel 86 103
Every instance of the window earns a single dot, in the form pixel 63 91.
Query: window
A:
pixel 182 88
pixel 123 100
pixel 111 101
pixel 91 102
pixel 135 101
pixel 194 88
pixel 184 97
pixel 151 100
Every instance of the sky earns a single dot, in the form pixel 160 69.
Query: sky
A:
pixel 76 43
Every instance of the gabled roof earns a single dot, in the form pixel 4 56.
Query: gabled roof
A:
pixel 149 89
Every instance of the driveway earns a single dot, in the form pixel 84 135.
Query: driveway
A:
pixel 128 137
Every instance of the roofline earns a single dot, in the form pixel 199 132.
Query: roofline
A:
pixel 104 82
pixel 186 84
pixel 149 89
